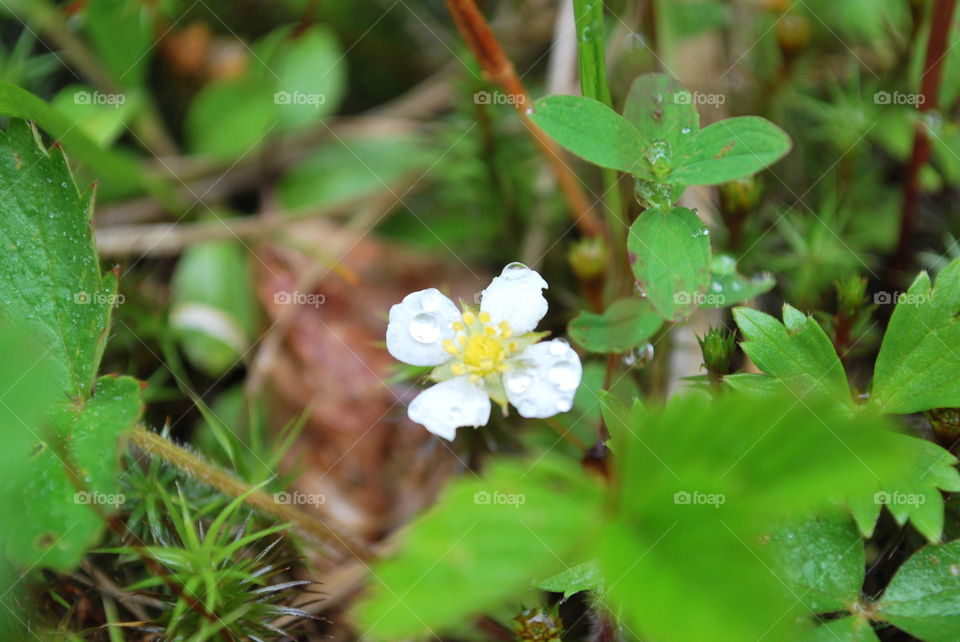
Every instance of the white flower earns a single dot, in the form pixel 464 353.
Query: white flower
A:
pixel 481 355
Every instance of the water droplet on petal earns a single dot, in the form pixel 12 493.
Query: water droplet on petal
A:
pixel 559 347
pixel 564 405
pixel 518 382
pixel 456 413
pixel 527 408
pixel 514 271
pixel 564 376
pixel 430 301
pixel 424 328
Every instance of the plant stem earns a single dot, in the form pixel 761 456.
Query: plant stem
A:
pixel 196 467
pixel 497 67
pixel 941 21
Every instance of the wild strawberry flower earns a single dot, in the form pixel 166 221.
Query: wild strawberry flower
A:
pixel 483 354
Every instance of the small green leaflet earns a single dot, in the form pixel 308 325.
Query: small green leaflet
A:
pixel 671 260
pixel 491 534
pixel 728 287
pixel 923 598
pixel 658 107
pixel 591 130
pixel 918 367
pixel 624 325
pixel 582 577
pixel 846 629
pixel 730 149
pixel 797 352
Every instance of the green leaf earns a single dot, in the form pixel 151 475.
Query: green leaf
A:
pixel 721 471
pixel 910 490
pixel 102 121
pixel 798 353
pixel 213 310
pixel 591 130
pixel 822 560
pixel 730 149
pixel 487 537
pixel 923 598
pixel 624 325
pixel 845 629
pixel 56 523
pixel 231 118
pixel 50 279
pixel 728 287
pixel 582 577
pixel 311 75
pixel 918 367
pixel 672 260
pixel 658 106
pixel 122 35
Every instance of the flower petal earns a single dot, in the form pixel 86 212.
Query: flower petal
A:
pixel 516 297
pixel 418 325
pixel 543 379
pixel 444 407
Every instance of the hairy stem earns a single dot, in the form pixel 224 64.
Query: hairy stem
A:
pixel 196 467
pixel 940 22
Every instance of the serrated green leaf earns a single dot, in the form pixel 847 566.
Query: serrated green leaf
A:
pixel 918 367
pixel 722 471
pixel 485 537
pixel 582 577
pixel 845 629
pixel 671 260
pixel 798 353
pixel 821 558
pixel 591 130
pixel 730 149
pixel 657 106
pixel 50 280
pixel 56 522
pixel 624 325
pixel 923 598
pixel 910 490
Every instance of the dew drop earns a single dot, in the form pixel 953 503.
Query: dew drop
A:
pixel 559 347
pixel 456 413
pixel 518 382
pixel 716 286
pixel 639 291
pixel 514 271
pixel 430 301
pixel 564 376
pixel 685 130
pixel 954 570
pixel 424 328
pixel 640 357
pixel 564 405
pixel 529 111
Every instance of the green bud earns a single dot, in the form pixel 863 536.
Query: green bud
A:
pixel 717 346
pixel 588 258
pixel 793 33
pixel 739 196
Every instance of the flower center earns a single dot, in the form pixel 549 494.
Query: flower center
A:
pixel 480 349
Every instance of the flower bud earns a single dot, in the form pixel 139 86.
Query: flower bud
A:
pixel 851 296
pixel 717 346
pixel 533 625
pixel 588 258
pixel 793 33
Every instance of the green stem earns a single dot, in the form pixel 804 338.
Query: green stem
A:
pixel 588 15
pixel 229 485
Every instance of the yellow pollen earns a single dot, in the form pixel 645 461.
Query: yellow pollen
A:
pixel 505 330
pixel 457 326
pixel 469 318
pixel 449 346
pixel 484 317
pixel 480 349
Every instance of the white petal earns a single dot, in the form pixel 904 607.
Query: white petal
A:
pixel 543 379
pixel 516 297
pixel 418 325
pixel 444 407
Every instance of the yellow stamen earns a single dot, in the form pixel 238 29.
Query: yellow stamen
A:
pixel 484 317
pixel 457 326
pixel 469 318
